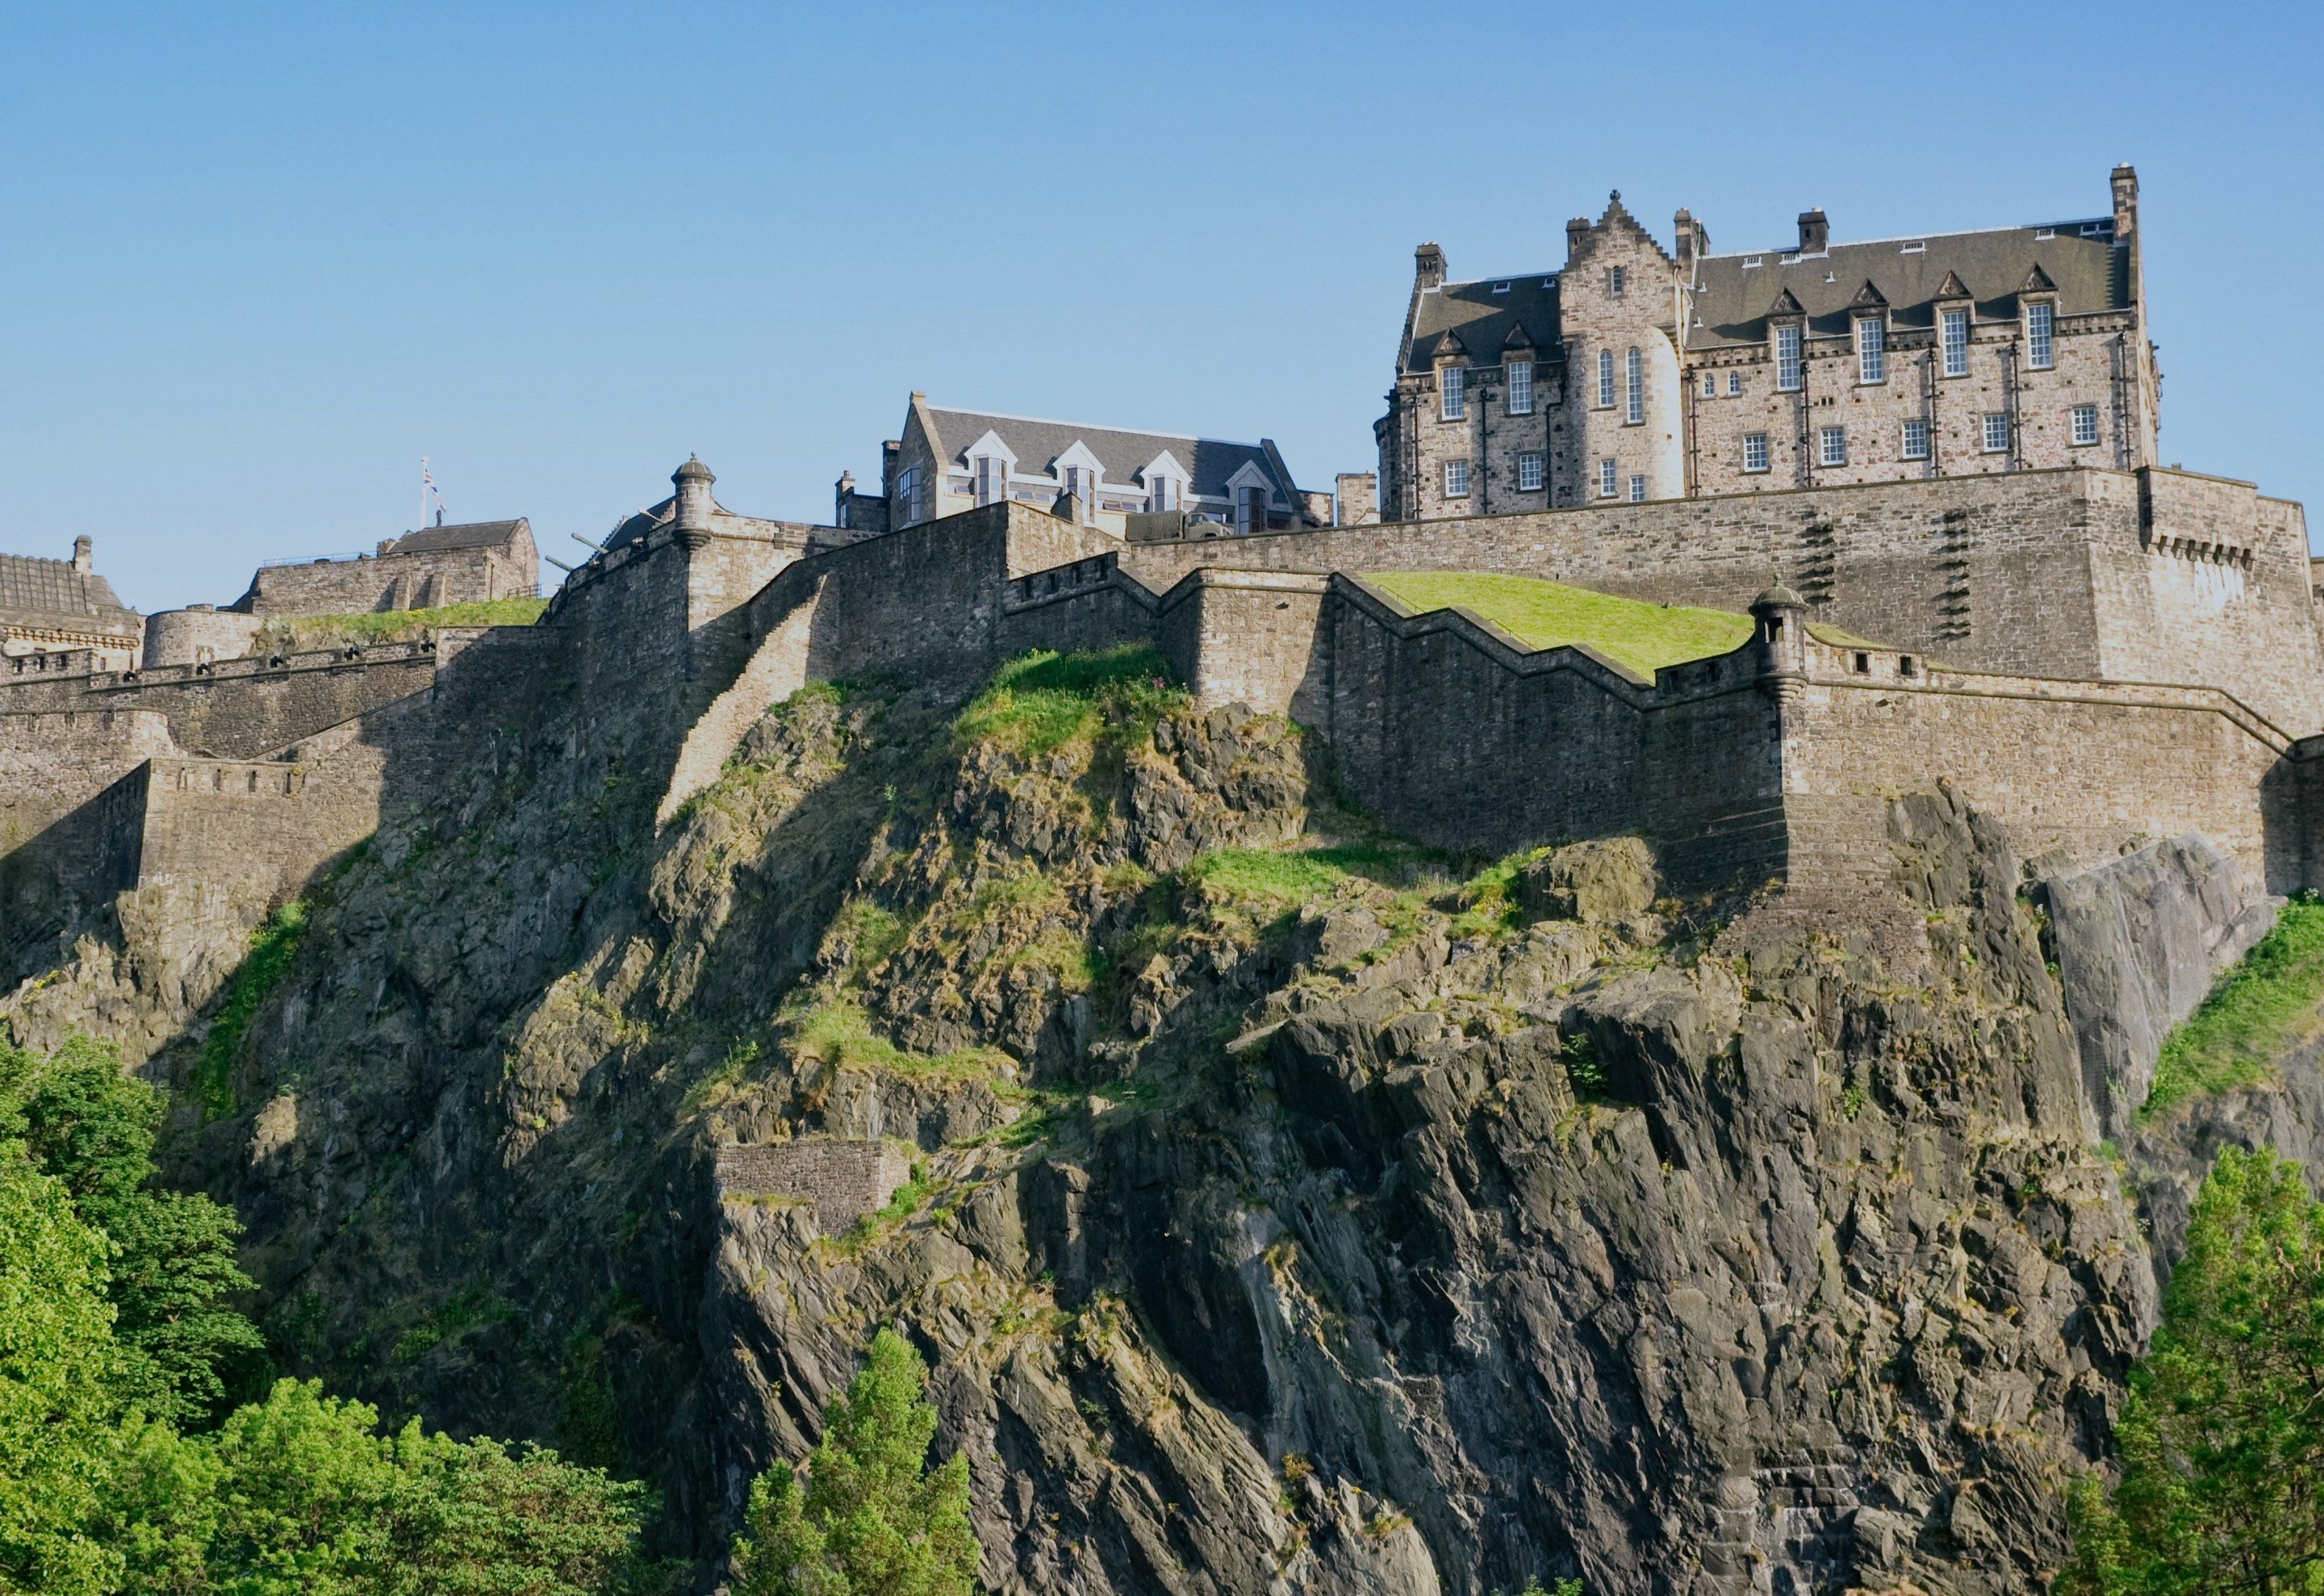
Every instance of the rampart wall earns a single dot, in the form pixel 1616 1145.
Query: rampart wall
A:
pixel 419 580
pixel 279 822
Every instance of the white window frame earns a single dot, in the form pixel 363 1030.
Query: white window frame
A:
pixel 1456 479
pixel 1734 383
pixel 1452 393
pixel 1633 377
pixel 1520 375
pixel 1605 379
pixel 1606 472
pixel 2041 336
pixel 1871 349
pixel 2074 419
pixel 1637 490
pixel 1756 454
pixel 1991 425
pixel 1831 445
pixel 1791 362
pixel 1710 384
pixel 990 479
pixel 1529 473
pixel 1913 438
pixel 1956 347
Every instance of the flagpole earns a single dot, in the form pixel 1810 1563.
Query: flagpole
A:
pixel 423 494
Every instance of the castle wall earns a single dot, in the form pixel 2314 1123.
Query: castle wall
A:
pixel 269 828
pixel 392 582
pixel 189 637
pixel 840 1180
pixel 51 764
pixel 73 789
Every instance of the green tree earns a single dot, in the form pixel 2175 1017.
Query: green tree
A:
pixel 872 1518
pixel 172 1272
pixel 2222 1433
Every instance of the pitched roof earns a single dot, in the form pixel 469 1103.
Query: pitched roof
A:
pixel 1731 301
pixel 476 534
pixel 1037 444
pixel 49 595
pixel 1478 318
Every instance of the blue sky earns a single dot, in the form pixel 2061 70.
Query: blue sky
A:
pixel 258 260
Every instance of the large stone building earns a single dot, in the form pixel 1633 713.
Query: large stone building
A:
pixel 948 461
pixel 56 610
pixel 1636 373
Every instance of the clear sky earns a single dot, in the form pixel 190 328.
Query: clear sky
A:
pixel 259 259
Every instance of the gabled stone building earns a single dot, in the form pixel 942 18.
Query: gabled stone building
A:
pixel 1636 373
pixel 55 611
pixel 948 461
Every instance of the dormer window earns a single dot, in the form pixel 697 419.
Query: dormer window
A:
pixel 1605 379
pixel 1453 390
pixel 1250 511
pixel 1614 284
pixel 1520 375
pixel 1634 368
pixel 1161 494
pixel 1871 349
pixel 2040 318
pixel 1787 359
pixel 991 479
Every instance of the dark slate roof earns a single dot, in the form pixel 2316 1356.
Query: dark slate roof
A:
pixel 1209 462
pixel 1731 301
pixel 51 593
pixel 477 534
pixel 1482 319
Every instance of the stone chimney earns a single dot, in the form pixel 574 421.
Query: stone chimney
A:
pixel 1356 501
pixel 1692 240
pixel 1816 232
pixel 80 555
pixel 841 492
pixel 1577 238
pixel 692 521
pixel 1428 267
pixel 2126 202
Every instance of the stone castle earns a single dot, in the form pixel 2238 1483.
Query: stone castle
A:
pixel 1970 585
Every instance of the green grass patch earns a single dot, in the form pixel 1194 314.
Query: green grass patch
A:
pixel 2261 1008
pixel 1287 878
pixel 1040 701
pixel 840 1034
pixel 272 946
pixel 1549 614
pixel 294 634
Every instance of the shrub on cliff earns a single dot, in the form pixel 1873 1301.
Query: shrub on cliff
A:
pixel 2222 1433
pixel 872 1518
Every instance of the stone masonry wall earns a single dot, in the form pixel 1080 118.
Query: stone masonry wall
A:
pixel 271 826
pixel 840 1180
pixel 387 582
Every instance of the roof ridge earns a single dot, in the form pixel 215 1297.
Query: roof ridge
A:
pixel 1737 254
pixel 1091 427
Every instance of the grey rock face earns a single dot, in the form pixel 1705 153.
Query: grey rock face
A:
pixel 2138 942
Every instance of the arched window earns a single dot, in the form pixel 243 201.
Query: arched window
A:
pixel 1605 379
pixel 1635 369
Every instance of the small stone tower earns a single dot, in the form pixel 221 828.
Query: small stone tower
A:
pixel 691 521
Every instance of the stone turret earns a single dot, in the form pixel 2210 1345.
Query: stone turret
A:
pixel 1781 634
pixel 81 549
pixel 692 518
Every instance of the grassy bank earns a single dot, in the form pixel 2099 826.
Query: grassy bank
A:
pixel 2261 1009
pixel 289 634
pixel 1550 614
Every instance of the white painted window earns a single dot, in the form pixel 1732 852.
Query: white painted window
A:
pixel 1997 433
pixel 1787 359
pixel 2039 319
pixel 1606 473
pixel 1456 479
pixel 1871 350
pixel 1605 379
pixel 1710 384
pixel 1735 382
pixel 1831 445
pixel 1634 371
pixel 1163 494
pixel 1915 445
pixel 1452 384
pixel 1755 451
pixel 1956 337
pixel 1528 473
pixel 2086 424
pixel 1520 387
pixel 1081 482
pixel 1250 511
pixel 1637 490
pixel 991 479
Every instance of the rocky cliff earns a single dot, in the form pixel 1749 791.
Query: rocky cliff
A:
pixel 1286 1208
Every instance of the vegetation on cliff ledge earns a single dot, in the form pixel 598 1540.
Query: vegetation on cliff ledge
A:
pixel 2261 1009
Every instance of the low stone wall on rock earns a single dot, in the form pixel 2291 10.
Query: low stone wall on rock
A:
pixel 840 1181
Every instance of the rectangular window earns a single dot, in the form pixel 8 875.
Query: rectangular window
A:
pixel 1871 350
pixel 1735 382
pixel 1710 384
pixel 1456 479
pixel 2086 424
pixel 1520 387
pixel 1614 284
pixel 1787 359
pixel 1606 471
pixel 1165 494
pixel 1605 379
pixel 2038 320
pixel 908 485
pixel 1451 384
pixel 1528 473
pixel 1997 433
pixel 991 479
pixel 1250 511
pixel 1831 445
pixel 1956 342
pixel 1915 442
pixel 1637 490
pixel 1755 451
pixel 1635 371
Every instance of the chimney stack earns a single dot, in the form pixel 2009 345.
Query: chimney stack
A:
pixel 2126 202
pixel 1692 240
pixel 1428 266
pixel 1816 232
pixel 691 520
pixel 80 555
